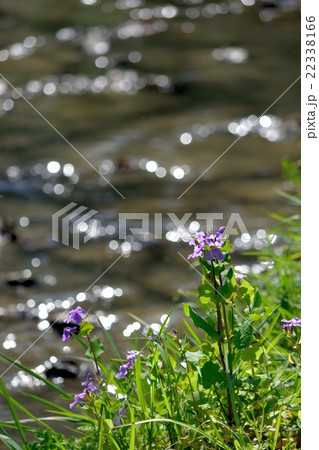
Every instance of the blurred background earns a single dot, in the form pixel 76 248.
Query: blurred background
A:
pixel 151 93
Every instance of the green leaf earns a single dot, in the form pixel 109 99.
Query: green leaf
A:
pixel 13 412
pixel 257 301
pixel 36 375
pixel 10 442
pixel 231 277
pixel 194 357
pixel 246 292
pixel 227 247
pixel 205 264
pixel 255 316
pixel 277 429
pixel 85 329
pixel 201 323
pixel 205 293
pixel 211 374
pixel 249 354
pixel 243 335
pixel 226 289
pixel 96 349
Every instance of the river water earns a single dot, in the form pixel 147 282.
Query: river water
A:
pixel 150 94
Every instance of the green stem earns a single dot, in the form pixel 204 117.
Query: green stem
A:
pixel 227 332
pixel 94 357
pixel 232 398
pixel 221 341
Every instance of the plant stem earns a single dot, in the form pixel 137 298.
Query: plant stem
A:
pixel 94 356
pixel 231 396
pixel 221 341
pixel 227 332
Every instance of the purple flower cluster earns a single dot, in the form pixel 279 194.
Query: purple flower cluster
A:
pixel 88 387
pixel 290 324
pixel 76 315
pixel 118 414
pixel 131 359
pixel 214 241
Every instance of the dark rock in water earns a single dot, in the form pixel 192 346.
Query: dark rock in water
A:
pixel 64 369
pixel 122 62
pixel 29 282
pixel 268 4
pixel 7 231
pixel 59 327
pixel 26 282
pixel 13 283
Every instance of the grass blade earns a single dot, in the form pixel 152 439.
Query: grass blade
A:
pixel 9 442
pixel 132 437
pixel 36 375
pixel 277 429
pixel 110 339
pixel 13 412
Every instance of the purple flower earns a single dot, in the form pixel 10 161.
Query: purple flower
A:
pixel 88 380
pixel 123 370
pixel 239 277
pixel 89 387
pixel 214 253
pixel 67 333
pixel 290 324
pixel 78 398
pixel 120 412
pixel 203 240
pixel 132 356
pixel 131 359
pixel 76 315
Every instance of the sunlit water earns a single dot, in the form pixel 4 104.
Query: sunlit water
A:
pixel 151 95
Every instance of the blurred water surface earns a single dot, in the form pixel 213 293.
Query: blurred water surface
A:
pixel 151 94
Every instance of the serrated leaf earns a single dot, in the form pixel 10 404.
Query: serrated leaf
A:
pixel 194 357
pixel 201 323
pixel 205 293
pixel 226 289
pixel 85 329
pixel 246 292
pixel 95 349
pixel 243 335
pixel 211 374
pixel 227 247
pixel 231 277
pixel 205 264
pixel 255 316
pixel 257 301
pixel 249 354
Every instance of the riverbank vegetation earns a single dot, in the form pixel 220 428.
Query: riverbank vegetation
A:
pixel 228 378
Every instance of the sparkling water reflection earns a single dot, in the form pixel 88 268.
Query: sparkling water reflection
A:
pixel 151 95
